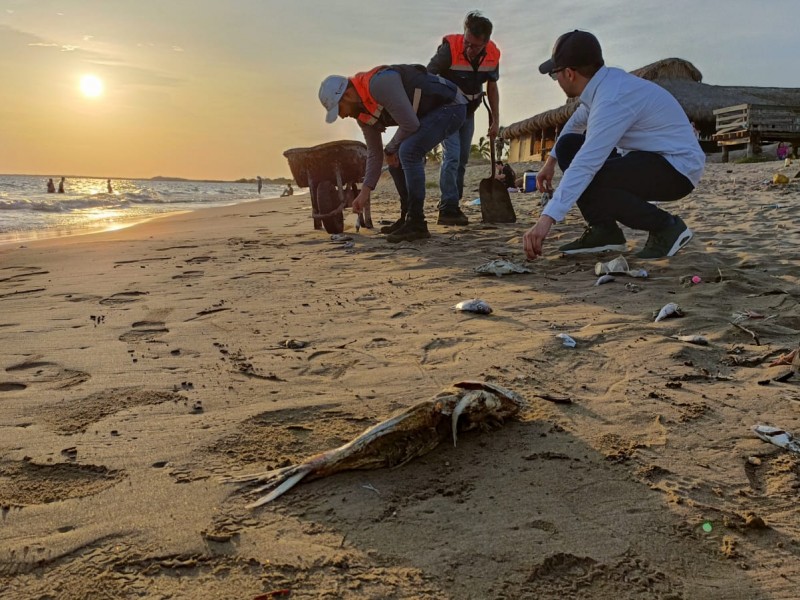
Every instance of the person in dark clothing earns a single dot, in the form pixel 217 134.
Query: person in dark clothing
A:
pixel 51 187
pixel 506 174
pixel 61 186
pixel 425 108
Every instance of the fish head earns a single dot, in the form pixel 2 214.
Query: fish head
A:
pixel 508 402
pixel 483 404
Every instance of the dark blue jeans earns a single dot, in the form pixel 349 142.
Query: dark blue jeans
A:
pixel 409 177
pixel 455 156
pixel 623 188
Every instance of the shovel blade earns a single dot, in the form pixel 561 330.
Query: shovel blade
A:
pixel 496 204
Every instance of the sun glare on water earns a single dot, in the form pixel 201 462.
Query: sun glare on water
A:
pixel 91 86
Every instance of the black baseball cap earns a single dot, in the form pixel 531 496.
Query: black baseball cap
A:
pixel 573 49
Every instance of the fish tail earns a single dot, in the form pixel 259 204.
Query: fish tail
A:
pixel 287 484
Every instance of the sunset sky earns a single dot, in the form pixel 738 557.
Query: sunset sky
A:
pixel 214 89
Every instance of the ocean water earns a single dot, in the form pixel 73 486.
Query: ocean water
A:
pixel 28 212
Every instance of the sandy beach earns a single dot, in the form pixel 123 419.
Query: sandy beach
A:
pixel 139 367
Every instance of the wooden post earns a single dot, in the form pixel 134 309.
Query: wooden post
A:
pixel 725 153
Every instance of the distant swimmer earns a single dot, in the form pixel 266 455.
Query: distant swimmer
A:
pixel 110 189
pixel 260 183
pixel 61 186
pixel 288 191
pixel 51 187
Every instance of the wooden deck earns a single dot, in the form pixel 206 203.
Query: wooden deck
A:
pixel 756 124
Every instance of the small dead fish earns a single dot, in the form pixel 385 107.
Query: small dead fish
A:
pixel 500 267
pixel 640 273
pixel 698 340
pixel 401 438
pixel 475 305
pixel 340 237
pixel 604 279
pixel 777 436
pixel 669 310
pixel 567 340
pixel 294 344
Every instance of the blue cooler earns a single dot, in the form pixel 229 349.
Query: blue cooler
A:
pixel 529 182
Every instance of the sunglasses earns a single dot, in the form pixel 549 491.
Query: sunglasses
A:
pixel 554 73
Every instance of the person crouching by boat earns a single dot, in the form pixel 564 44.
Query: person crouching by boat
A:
pixel 425 108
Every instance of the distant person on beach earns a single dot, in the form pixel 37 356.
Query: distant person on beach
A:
pixel 51 187
pixel 659 161
pixel 110 189
pixel 469 60
pixel 782 151
pixel 61 186
pixel 506 174
pixel 425 108
pixel 288 190
pixel 260 183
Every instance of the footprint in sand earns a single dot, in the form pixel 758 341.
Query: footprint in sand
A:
pixel 74 415
pixel 45 372
pixel 144 331
pixel 10 386
pixel 189 275
pixel 25 483
pixel 122 298
pixel 198 260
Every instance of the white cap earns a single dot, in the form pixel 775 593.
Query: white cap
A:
pixel 330 92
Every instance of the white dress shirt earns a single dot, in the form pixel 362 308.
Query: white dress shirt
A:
pixel 622 111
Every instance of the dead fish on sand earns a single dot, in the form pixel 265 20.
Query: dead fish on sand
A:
pixel 777 436
pixel 401 438
pixel 698 340
pixel 604 279
pixel 669 310
pixel 500 267
pixel 475 305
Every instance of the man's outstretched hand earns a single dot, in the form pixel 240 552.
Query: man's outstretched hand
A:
pixel 534 238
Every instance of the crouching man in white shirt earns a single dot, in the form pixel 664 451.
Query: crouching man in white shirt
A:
pixel 628 143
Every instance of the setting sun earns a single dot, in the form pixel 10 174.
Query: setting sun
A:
pixel 91 86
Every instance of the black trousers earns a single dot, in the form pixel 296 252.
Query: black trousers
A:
pixel 623 188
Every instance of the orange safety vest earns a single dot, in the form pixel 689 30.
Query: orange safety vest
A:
pixel 360 82
pixel 374 110
pixel 459 62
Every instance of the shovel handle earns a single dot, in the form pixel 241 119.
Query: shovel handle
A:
pixel 491 141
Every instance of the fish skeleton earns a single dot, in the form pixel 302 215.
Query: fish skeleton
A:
pixel 408 435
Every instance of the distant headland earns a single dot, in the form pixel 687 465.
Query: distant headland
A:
pixel 265 180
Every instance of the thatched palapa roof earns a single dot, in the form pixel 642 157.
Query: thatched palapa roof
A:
pixel 684 81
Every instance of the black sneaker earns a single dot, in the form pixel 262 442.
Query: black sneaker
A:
pixel 452 216
pixel 666 242
pixel 394 226
pixel 597 238
pixel 410 231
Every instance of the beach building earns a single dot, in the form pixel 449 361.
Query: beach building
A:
pixel 533 138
